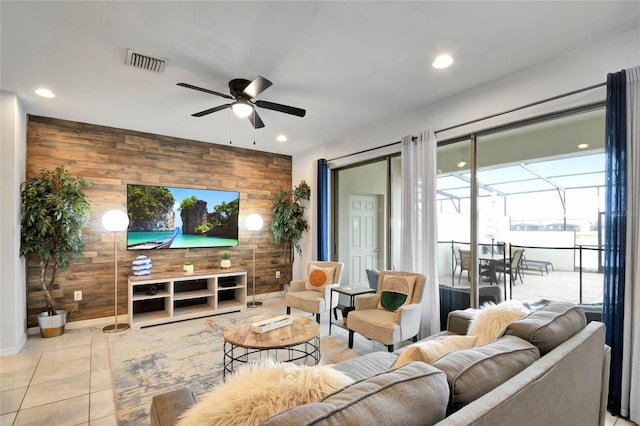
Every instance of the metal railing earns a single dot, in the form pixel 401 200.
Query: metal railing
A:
pixel 507 251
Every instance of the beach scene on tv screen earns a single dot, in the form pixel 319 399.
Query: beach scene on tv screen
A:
pixel 171 217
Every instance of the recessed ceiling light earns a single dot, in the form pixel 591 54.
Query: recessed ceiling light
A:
pixel 461 164
pixel 45 93
pixel 583 146
pixel 281 138
pixel 442 61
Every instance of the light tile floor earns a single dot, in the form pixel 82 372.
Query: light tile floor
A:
pixel 67 381
pixel 59 381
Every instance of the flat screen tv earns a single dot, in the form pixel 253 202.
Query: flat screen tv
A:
pixel 170 217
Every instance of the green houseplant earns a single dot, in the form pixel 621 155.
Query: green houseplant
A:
pixel 289 223
pixel 225 262
pixel 54 210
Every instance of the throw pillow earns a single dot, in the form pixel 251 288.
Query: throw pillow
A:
pixel 430 350
pixel 396 291
pixel 258 391
pixel 492 319
pixel 319 277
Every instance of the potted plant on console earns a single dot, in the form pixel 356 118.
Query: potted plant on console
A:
pixel 54 210
pixel 225 262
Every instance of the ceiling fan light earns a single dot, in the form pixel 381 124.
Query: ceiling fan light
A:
pixel 442 61
pixel 242 109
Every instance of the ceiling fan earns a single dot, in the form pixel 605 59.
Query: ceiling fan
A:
pixel 242 92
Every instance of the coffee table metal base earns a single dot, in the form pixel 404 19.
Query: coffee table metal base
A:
pixel 309 351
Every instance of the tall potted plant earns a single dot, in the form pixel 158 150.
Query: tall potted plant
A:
pixel 289 222
pixel 54 210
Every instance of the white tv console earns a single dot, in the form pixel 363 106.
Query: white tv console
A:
pixel 175 296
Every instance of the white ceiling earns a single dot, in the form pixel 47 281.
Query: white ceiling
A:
pixel 349 64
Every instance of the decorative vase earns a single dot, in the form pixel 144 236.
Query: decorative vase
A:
pixel 141 265
pixel 188 269
pixel 225 263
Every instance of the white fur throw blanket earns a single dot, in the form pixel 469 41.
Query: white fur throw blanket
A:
pixel 492 319
pixel 260 390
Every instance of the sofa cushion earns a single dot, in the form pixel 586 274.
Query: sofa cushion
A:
pixel 432 349
pixel 367 365
pixel 414 394
pixel 258 391
pixel 473 372
pixel 396 290
pixel 319 277
pixel 492 319
pixel 549 326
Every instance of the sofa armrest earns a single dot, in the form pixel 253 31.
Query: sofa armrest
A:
pixel 458 321
pixel 297 285
pixel 168 406
pixel 367 301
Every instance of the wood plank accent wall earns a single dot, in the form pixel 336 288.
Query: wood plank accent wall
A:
pixel 113 158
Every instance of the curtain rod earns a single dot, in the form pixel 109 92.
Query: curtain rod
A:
pixel 553 98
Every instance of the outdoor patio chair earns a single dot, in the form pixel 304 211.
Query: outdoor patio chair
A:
pixel 465 263
pixel 513 266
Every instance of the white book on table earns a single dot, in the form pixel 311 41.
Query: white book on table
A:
pixel 271 323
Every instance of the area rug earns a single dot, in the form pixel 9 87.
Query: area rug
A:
pixel 189 354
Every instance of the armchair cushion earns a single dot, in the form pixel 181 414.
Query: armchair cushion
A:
pixel 396 290
pixel 319 277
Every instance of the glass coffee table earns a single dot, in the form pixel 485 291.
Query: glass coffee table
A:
pixel 298 341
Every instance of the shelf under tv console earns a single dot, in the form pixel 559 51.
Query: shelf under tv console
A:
pixel 175 296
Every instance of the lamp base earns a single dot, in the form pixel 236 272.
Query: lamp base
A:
pixel 114 328
pixel 254 304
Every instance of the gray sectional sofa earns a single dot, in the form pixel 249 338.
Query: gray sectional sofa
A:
pixel 548 368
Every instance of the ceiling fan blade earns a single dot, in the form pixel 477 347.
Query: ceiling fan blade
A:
pixel 281 108
pixel 211 110
pixel 255 120
pixel 257 86
pixel 189 86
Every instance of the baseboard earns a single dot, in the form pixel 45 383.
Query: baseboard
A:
pixel 95 322
pixel 14 350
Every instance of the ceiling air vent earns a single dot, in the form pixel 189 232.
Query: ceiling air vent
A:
pixel 146 62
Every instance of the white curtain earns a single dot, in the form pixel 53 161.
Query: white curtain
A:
pixel 419 246
pixel 630 395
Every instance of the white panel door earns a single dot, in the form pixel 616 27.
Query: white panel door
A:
pixel 363 237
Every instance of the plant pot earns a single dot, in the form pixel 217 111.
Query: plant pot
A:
pixel 188 269
pixel 225 263
pixel 52 325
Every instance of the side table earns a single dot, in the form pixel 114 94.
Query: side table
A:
pixel 352 292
